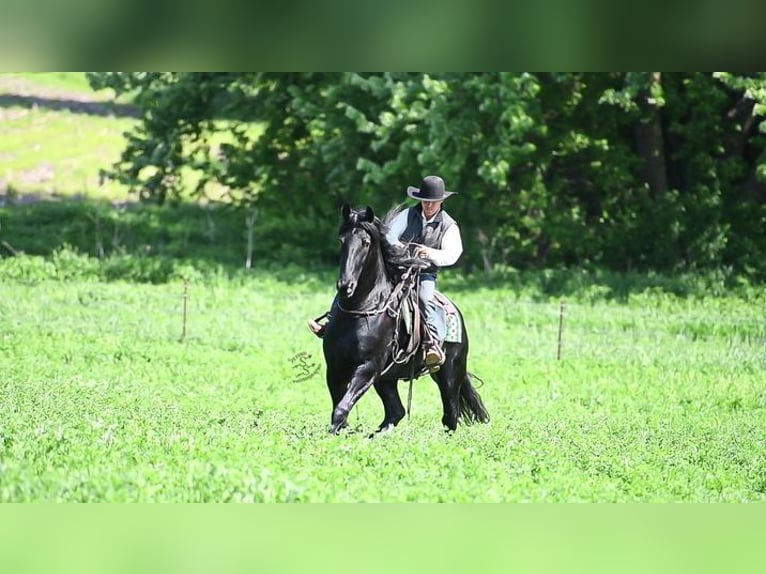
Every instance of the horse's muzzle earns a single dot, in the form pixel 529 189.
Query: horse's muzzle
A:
pixel 346 288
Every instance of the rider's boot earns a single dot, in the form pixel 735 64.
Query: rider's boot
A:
pixel 434 356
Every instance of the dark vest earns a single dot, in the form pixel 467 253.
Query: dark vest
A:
pixel 431 235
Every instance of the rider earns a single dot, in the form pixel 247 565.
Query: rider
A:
pixel 434 236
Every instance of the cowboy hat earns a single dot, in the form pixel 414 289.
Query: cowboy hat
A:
pixel 431 189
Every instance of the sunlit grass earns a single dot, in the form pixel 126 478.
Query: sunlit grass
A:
pixel 60 152
pixel 47 151
pixel 101 400
pixel 71 81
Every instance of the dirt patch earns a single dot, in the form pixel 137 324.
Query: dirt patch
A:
pixel 12 114
pixel 41 174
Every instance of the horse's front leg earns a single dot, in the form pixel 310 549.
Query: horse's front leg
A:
pixel 392 404
pixel 363 378
pixel 337 384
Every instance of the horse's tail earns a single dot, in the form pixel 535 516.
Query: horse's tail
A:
pixel 472 408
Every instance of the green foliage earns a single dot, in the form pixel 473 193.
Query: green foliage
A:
pixel 624 170
pixel 146 243
pixel 84 240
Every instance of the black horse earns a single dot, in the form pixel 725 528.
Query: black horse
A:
pixel 359 337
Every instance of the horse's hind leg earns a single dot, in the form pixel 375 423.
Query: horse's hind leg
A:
pixel 392 404
pixel 449 378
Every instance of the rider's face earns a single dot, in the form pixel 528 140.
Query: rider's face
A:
pixel 430 208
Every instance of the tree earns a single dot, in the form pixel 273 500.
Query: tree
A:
pixel 628 170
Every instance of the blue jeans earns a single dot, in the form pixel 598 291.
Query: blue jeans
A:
pixel 427 305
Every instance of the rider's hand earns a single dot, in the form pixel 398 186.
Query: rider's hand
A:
pixel 421 251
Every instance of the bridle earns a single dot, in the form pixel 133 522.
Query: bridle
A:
pixel 389 303
pixel 405 280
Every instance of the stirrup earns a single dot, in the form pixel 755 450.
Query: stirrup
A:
pixel 434 358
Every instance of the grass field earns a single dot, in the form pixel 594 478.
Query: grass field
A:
pixel 661 399
pixel 658 396
pixel 69 82
pixel 55 135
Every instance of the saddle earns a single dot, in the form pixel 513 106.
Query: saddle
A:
pixel 411 329
pixel 450 328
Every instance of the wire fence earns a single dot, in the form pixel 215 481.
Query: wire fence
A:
pixel 566 331
pixel 521 330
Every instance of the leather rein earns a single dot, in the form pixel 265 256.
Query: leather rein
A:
pixel 406 280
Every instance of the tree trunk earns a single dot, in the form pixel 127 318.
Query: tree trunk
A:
pixel 743 120
pixel 755 189
pixel 486 252
pixel 650 141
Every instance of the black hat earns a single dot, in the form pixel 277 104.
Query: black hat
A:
pixel 431 189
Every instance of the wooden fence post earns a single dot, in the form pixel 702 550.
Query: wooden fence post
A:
pixel 561 330
pixel 185 298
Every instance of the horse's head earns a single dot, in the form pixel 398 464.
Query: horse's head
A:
pixel 357 237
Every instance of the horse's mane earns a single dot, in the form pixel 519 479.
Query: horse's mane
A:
pixel 396 257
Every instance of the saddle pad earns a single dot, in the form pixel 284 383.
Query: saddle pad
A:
pixel 451 318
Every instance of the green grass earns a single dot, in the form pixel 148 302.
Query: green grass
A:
pixel 58 135
pixel 657 399
pixel 61 152
pixel 54 148
pixel 71 81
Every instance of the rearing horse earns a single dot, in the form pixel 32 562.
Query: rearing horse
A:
pixel 359 337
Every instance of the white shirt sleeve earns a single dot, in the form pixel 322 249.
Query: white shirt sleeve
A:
pixel 451 249
pixel 397 227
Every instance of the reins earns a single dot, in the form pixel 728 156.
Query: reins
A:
pixel 400 292
pixel 400 356
pixel 386 304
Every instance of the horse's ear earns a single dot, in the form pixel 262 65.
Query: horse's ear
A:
pixel 369 214
pixel 345 211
